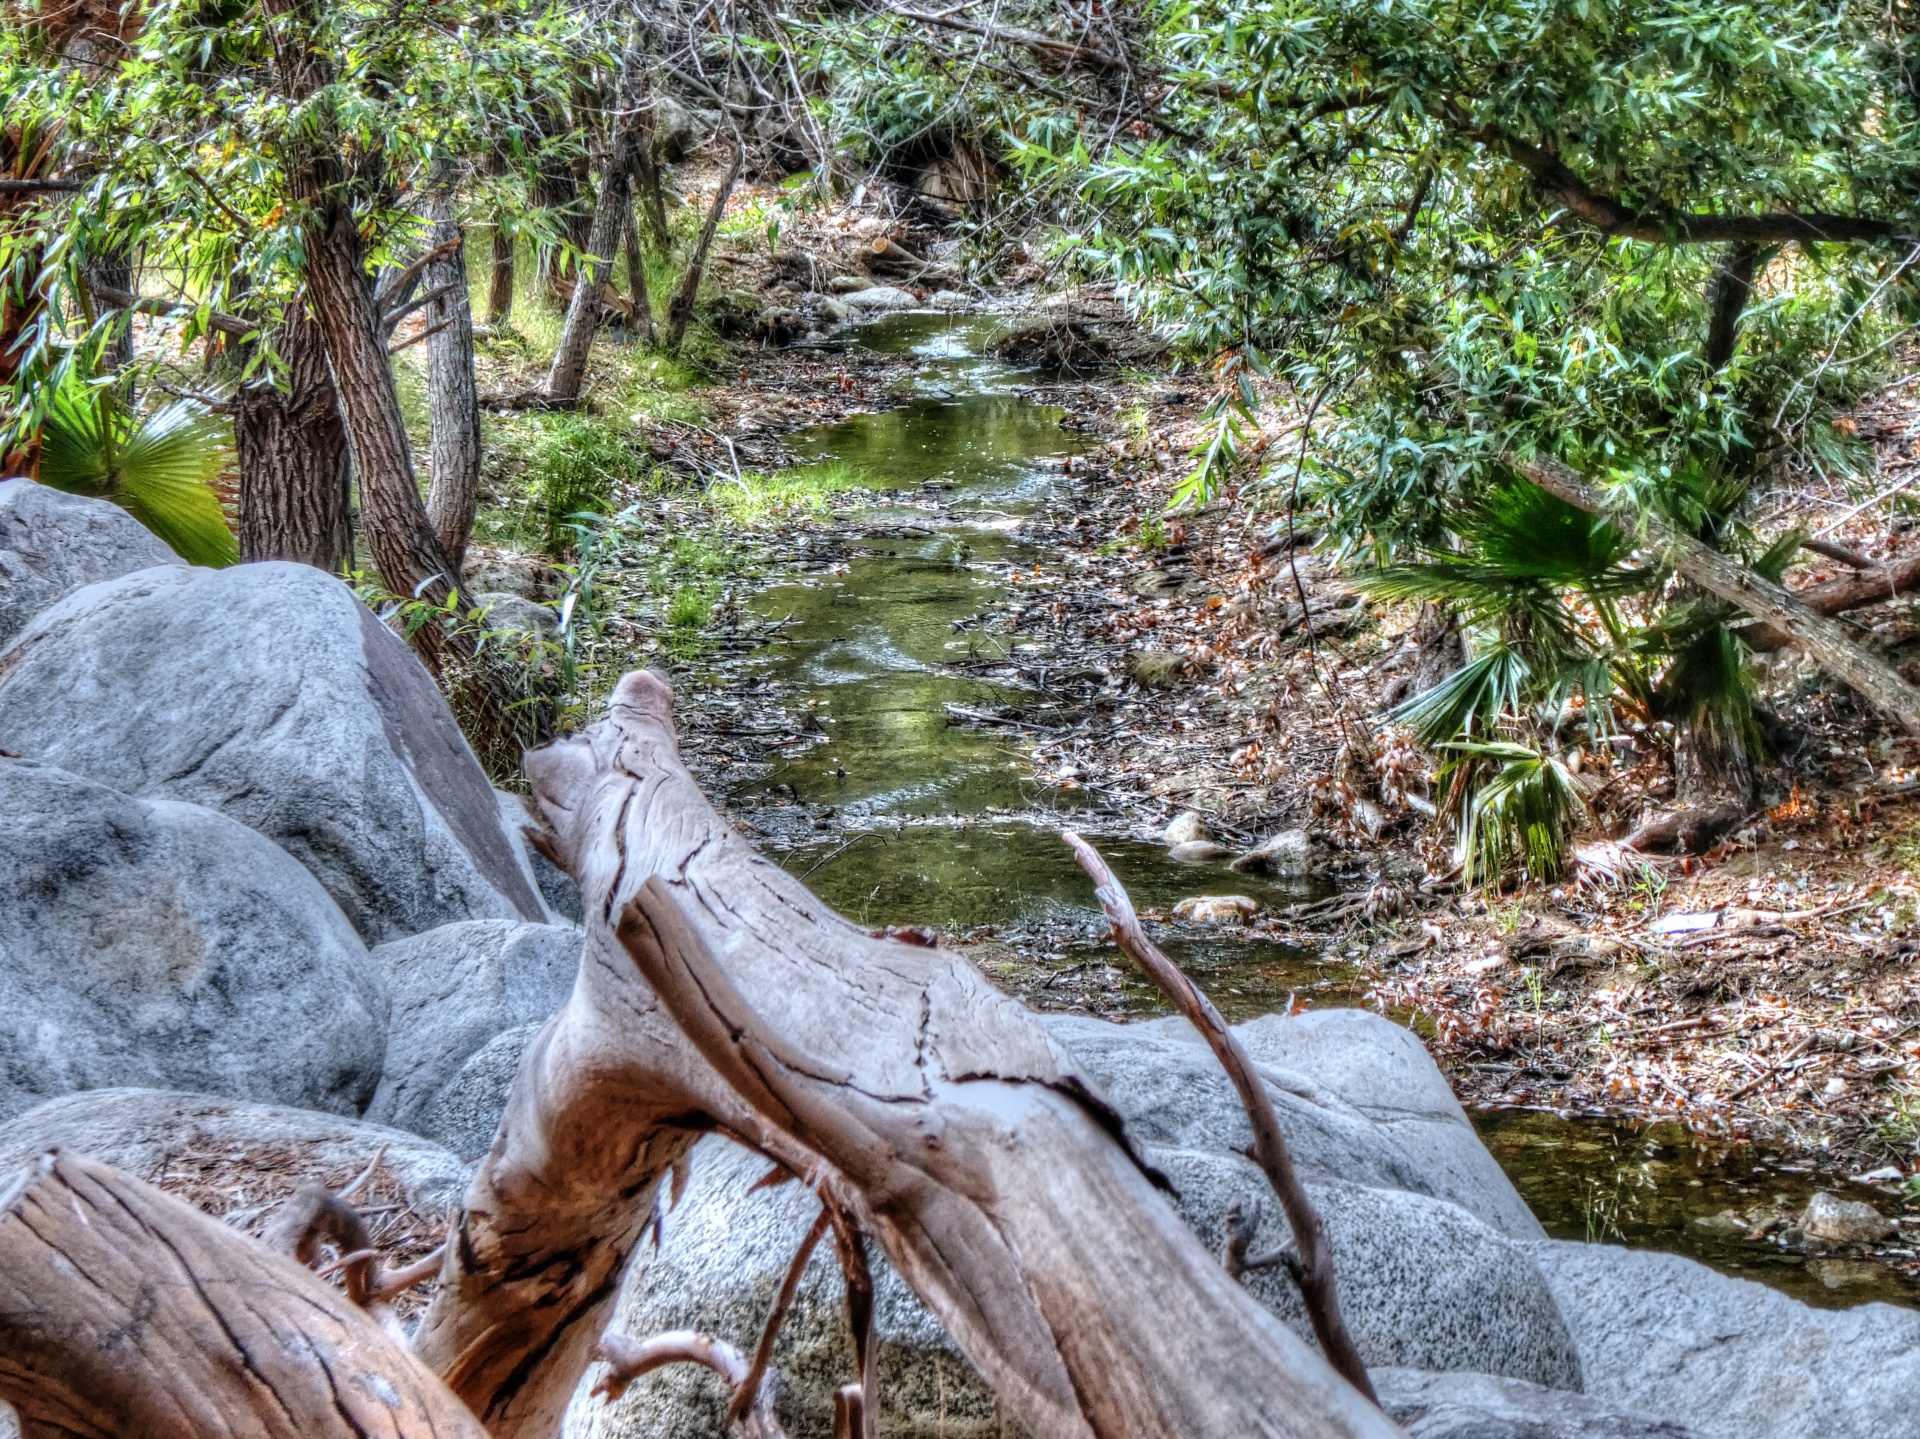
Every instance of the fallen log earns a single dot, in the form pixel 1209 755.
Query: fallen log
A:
pixel 125 1313
pixel 716 992
pixel 1821 638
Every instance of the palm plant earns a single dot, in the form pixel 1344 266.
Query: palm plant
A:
pixel 159 466
pixel 1545 591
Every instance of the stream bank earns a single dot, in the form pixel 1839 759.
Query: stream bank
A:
pixel 921 668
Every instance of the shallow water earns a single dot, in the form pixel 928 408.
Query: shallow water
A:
pixel 925 836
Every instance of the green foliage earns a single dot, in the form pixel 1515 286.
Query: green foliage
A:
pixel 576 466
pixel 159 467
pixel 1516 804
pixel 759 495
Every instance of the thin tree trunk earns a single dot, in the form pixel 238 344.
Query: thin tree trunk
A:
pixel 680 312
pixel 453 394
pixel 637 283
pixel 1823 640
pixel 1727 297
pixel 650 190
pixel 127 1314
pixel 407 552
pixel 295 479
pixel 500 279
pixel 715 991
pixel 115 271
pixel 610 219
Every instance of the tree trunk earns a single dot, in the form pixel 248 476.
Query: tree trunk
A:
pixel 651 192
pixel 680 312
pixel 1727 297
pixel 115 271
pixel 408 554
pixel 716 992
pixel 453 395
pixel 295 480
pixel 127 1314
pixel 610 219
pixel 500 279
pixel 1823 640
pixel 637 284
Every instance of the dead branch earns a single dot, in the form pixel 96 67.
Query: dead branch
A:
pixel 149 305
pixel 127 1314
pixel 747 1389
pixel 314 1214
pixel 1823 640
pixel 1313 1270
pixel 627 1359
pixel 928 1105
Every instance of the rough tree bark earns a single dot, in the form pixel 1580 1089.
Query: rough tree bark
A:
pixel 610 219
pixel 716 992
pixel 127 1314
pixel 1823 640
pixel 680 312
pixel 453 394
pixel 295 480
pixel 500 278
pixel 406 550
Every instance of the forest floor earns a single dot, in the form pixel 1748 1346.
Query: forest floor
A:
pixel 1770 988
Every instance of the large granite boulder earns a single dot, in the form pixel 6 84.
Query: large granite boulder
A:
pixel 188 1142
pixel 1728 1358
pixel 454 990
pixel 153 942
pixel 268 692
pixel 1360 1099
pixel 52 543
pixel 1422 1283
pixel 1460 1405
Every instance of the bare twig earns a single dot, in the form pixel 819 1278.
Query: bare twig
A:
pixel 746 1393
pixel 1313 1268
pixel 627 1359
pixel 150 305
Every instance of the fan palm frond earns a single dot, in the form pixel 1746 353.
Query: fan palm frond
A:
pixel 1471 700
pixel 159 467
pixel 1516 804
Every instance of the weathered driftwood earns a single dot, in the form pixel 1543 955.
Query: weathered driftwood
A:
pixel 1308 1256
pixel 125 1313
pixel 1822 639
pixel 627 1359
pixel 716 992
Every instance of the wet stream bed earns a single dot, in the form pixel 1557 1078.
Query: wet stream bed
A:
pixel 916 807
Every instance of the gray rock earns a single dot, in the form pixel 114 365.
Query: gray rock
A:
pixel 1172 1092
pixel 52 543
pixel 1834 1220
pixel 455 989
pixel 508 611
pixel 1460 1405
pixel 1184 828
pixel 848 284
pixel 950 300
pixel 269 693
pixel 1194 850
pixel 166 1137
pixel 152 942
pixel 1385 1073
pixel 464 1115
pixel 1728 1358
pixel 876 299
pixel 1422 1283
pixel 1290 854
pixel 723 1253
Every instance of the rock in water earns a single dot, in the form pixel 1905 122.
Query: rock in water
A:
pixel 52 543
pixel 1290 854
pixel 156 943
pixel 1834 1220
pixel 1198 849
pixel 455 989
pixel 1217 908
pixel 1185 827
pixel 1728 1358
pixel 876 299
pixel 269 693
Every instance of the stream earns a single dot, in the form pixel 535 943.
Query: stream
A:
pixel 935 820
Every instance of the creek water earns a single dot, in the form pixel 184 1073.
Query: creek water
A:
pixel 936 821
